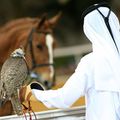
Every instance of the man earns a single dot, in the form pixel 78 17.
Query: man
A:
pixel 97 76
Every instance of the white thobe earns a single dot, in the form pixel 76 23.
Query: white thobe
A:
pixel 100 105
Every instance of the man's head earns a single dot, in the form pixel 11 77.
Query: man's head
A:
pixel 101 26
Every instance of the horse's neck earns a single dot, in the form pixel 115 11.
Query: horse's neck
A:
pixel 18 22
pixel 10 41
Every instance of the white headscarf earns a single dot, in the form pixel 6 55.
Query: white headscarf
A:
pixel 106 53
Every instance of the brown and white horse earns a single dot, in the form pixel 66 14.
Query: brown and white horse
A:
pixel 35 35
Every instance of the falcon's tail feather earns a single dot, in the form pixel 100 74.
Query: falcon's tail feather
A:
pixel 3 97
pixel 17 107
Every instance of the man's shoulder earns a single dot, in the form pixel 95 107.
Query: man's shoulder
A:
pixel 85 62
pixel 88 57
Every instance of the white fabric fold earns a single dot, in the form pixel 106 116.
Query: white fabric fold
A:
pixel 50 98
pixel 106 56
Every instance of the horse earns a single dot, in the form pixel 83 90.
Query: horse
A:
pixel 35 35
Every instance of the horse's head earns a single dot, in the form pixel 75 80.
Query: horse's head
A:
pixel 40 49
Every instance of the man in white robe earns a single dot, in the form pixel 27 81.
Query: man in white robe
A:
pixel 97 76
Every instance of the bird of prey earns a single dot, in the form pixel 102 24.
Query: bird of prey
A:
pixel 13 75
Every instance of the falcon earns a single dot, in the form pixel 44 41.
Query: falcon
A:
pixel 14 73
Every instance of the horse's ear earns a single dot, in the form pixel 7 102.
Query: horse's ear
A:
pixel 52 21
pixel 42 20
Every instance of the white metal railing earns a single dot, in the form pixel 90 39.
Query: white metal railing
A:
pixel 73 50
pixel 77 51
pixel 74 113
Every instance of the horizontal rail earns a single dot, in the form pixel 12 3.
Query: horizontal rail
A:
pixel 73 50
pixel 77 113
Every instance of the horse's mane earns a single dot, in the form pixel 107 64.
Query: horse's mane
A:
pixel 15 30
pixel 19 23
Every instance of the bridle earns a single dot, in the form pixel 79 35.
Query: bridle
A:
pixel 30 41
pixel 34 64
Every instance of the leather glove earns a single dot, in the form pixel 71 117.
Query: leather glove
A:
pixel 25 93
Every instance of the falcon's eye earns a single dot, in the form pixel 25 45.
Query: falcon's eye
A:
pixel 18 53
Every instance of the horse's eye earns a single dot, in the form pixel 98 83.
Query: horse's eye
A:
pixel 40 47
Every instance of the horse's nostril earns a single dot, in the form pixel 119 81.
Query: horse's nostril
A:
pixel 47 84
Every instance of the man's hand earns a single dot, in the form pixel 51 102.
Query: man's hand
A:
pixel 25 93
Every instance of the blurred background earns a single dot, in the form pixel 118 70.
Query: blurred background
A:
pixel 71 42
pixel 68 31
